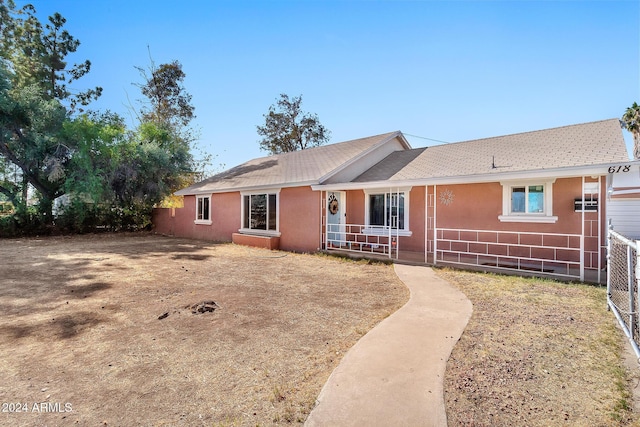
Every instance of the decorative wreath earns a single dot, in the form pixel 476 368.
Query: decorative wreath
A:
pixel 333 204
pixel 446 197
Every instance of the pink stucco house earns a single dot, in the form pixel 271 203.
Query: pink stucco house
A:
pixel 533 202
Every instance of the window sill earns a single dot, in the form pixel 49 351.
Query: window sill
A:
pixel 383 232
pixel 250 231
pixel 203 222
pixel 529 218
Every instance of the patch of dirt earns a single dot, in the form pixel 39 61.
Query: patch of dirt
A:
pixel 81 343
pixel 537 353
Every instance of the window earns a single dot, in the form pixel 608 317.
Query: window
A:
pixel 527 202
pixel 387 209
pixel 529 199
pixel 260 213
pixel 203 210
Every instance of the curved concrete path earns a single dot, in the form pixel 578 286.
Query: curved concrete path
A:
pixel 393 376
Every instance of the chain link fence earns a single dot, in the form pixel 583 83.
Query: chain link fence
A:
pixel 623 285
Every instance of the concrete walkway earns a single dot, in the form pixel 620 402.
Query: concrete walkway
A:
pixel 393 376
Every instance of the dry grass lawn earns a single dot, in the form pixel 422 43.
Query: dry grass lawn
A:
pixel 537 353
pixel 81 342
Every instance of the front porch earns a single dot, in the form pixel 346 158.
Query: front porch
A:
pixel 558 256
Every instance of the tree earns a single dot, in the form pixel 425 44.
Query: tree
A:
pixel 287 128
pixel 118 175
pixel 38 55
pixel 29 139
pixel 167 121
pixel 112 176
pixel 36 101
pixel 631 122
pixel 164 89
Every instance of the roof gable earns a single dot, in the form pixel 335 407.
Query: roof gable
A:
pixel 296 168
pixel 389 166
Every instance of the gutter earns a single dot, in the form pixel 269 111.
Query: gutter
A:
pixel 564 172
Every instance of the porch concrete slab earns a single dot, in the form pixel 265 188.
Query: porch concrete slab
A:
pixel 394 375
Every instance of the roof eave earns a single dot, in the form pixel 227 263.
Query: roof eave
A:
pixel 563 172
pixel 343 166
pixel 244 189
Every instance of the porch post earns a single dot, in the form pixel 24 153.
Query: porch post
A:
pixel 435 228
pixel 600 211
pixel 390 219
pixel 398 221
pixel 426 223
pixel 326 221
pixel 582 235
pixel 321 219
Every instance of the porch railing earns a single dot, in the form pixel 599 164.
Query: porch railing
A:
pixel 366 239
pixel 550 253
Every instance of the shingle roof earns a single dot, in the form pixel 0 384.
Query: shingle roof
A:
pixel 295 168
pixel 569 146
pixel 585 144
pixel 389 166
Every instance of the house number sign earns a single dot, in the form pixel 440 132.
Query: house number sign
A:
pixel 625 168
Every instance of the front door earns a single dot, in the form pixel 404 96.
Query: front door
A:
pixel 335 219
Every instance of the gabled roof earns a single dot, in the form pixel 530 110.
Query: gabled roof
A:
pixel 390 165
pixel 585 144
pixel 305 167
pixel 566 148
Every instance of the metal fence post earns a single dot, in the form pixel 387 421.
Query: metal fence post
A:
pixel 632 284
pixel 609 266
pixel 636 281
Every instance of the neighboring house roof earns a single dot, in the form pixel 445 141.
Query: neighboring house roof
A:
pixel 305 167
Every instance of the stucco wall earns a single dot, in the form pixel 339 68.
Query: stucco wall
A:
pixel 472 207
pixel 300 219
pixel 355 207
pixel 478 206
pixel 225 219
pixel 415 243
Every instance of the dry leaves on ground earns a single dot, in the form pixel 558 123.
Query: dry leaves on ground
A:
pixel 536 353
pixel 105 326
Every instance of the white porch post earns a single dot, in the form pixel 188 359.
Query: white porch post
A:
pixel 582 236
pixel 426 223
pixel 435 228
pixel 326 222
pixel 321 219
pixel 600 211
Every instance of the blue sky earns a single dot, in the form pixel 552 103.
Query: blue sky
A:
pixel 445 70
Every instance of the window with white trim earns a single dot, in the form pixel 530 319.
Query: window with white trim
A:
pixel 527 201
pixel 203 210
pixel 260 213
pixel 387 209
